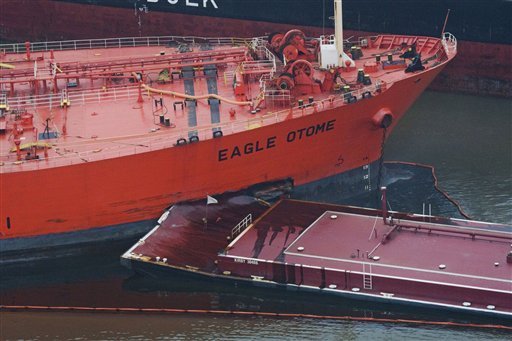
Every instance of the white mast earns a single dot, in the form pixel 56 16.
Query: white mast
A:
pixel 338 31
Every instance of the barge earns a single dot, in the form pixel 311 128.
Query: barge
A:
pixel 366 254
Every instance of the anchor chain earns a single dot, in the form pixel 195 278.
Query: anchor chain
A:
pixel 381 157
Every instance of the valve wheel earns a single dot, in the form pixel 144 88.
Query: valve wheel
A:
pixel 290 52
pixel 275 40
pixel 285 81
pixel 295 37
pixel 301 66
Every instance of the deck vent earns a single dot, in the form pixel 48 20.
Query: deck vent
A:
pixel 334 216
pixel 496 264
pixel 332 286
pixel 356 289
pixel 227 273
pixel 491 307
pixel 375 258
pixel 466 304
pixel 300 248
pixel 442 266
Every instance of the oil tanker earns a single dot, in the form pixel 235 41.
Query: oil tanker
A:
pixel 99 136
pixel 483 28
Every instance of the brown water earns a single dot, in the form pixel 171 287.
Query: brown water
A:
pixel 160 327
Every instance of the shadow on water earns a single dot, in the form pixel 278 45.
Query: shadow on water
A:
pixel 92 276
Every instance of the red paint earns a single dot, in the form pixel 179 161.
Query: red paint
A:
pixel 114 163
pixel 481 68
pixel 332 247
pixel 339 248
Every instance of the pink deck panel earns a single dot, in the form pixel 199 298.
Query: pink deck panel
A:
pixel 350 250
pixel 343 243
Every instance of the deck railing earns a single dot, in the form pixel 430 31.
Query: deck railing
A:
pixel 81 97
pixel 449 42
pixel 241 226
pixel 123 42
pixel 86 150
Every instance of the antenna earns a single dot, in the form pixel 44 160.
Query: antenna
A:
pixel 445 21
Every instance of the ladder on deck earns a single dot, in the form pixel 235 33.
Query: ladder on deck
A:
pixel 367 277
pixel 4 105
pixel 64 99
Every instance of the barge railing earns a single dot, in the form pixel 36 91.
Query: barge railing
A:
pixel 241 226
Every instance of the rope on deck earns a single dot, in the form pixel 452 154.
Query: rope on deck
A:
pixel 182 95
pixel 248 313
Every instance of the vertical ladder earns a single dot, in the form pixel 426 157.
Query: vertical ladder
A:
pixel 4 105
pixel 367 277
pixel 367 179
pixel 64 99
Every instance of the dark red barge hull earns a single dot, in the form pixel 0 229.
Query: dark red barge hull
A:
pixel 339 250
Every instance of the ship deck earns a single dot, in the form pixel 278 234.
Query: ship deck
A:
pixel 190 235
pixel 81 101
pixel 413 250
pixel 345 241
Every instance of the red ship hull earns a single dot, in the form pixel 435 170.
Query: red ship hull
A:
pixel 133 125
pixel 136 188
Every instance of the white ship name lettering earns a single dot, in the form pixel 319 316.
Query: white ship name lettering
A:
pixel 191 3
pixel 249 261
pixel 271 142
